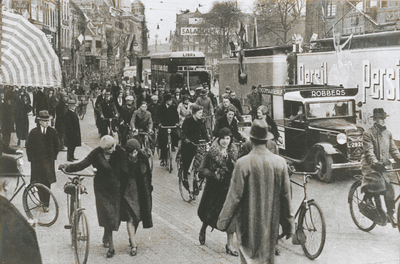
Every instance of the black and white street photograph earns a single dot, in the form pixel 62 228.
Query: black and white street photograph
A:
pixel 199 131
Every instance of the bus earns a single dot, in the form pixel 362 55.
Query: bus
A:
pixel 179 69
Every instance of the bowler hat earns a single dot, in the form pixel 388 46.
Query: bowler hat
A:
pixel 259 130
pixel 43 115
pixel 379 113
pixel 204 91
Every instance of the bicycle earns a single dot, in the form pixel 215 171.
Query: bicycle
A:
pixel 111 128
pixel 310 228
pixel 169 147
pixel 363 216
pixel 197 184
pixel 81 107
pixel 77 220
pixel 34 208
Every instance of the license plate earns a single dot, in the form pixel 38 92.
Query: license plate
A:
pixel 355 144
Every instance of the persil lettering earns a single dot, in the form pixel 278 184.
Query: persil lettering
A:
pixel 380 84
pixel 305 76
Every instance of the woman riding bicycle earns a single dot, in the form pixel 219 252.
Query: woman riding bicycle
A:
pixel 193 130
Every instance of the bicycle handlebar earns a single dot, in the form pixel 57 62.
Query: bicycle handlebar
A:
pixel 170 127
pixel 393 170
pixel 78 174
pixel 305 173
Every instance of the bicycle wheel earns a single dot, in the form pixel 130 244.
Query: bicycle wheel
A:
pixel 354 199
pixel 183 186
pixel 81 238
pixel 312 224
pixel 46 214
pixel 149 157
pixel 169 158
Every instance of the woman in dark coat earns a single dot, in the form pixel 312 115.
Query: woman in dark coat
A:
pixel 136 188
pixel 111 162
pixel 21 118
pixel 217 167
pixel 193 130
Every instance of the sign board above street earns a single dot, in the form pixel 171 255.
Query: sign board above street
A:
pixel 20 4
pixel 193 31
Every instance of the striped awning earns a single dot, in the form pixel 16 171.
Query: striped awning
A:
pixel 27 58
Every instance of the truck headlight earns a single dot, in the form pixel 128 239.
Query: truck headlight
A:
pixel 341 138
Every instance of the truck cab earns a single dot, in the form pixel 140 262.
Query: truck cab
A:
pixel 317 126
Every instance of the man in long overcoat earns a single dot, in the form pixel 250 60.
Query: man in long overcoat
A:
pixel 61 110
pixel 39 101
pixel 42 150
pixel 72 130
pixel 260 196
pixel 379 147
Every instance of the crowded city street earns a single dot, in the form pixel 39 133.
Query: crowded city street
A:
pixel 174 237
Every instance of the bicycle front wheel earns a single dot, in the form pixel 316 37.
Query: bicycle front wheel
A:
pixel 80 235
pixel 41 204
pixel 355 198
pixel 312 224
pixel 183 185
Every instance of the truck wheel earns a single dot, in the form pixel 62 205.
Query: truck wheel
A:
pixel 325 162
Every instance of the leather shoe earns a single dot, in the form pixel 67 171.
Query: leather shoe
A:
pixel 133 251
pixel 202 237
pixel 230 252
pixel 70 160
pixel 369 203
pixel 75 158
pixel 110 253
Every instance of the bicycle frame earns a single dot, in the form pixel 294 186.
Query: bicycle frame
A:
pixel 21 177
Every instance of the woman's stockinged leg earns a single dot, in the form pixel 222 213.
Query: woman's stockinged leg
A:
pixel 132 236
pixel 108 235
pixel 229 245
pixel 132 233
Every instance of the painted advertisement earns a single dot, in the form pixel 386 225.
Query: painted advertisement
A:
pixel 376 73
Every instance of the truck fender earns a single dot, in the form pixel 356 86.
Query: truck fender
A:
pixel 327 148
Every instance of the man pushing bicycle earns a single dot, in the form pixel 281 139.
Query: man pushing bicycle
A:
pixel 379 148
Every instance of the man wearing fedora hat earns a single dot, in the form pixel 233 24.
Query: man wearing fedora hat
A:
pixel 260 193
pixel 42 150
pixel 72 130
pixel 379 148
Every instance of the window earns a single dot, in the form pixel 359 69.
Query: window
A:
pixel 331 8
pixel 98 44
pixel 88 46
pixel 384 4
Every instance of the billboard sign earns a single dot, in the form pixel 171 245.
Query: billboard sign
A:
pixel 376 72
pixel 20 4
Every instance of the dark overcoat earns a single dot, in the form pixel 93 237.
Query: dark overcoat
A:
pixel 215 191
pixel 72 129
pixel 18 241
pixel 167 117
pixel 136 189
pixel 259 196
pixel 378 146
pixel 61 110
pixel 42 151
pixel 233 126
pixel 39 102
pixel 21 120
pixel 107 188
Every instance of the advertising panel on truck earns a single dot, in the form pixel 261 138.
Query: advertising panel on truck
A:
pixel 375 71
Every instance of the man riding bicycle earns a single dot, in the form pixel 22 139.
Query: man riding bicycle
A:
pixel 107 110
pixel 379 147
pixel 141 121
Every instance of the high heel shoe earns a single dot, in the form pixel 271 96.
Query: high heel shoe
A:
pixel 230 252
pixel 202 237
pixel 110 253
